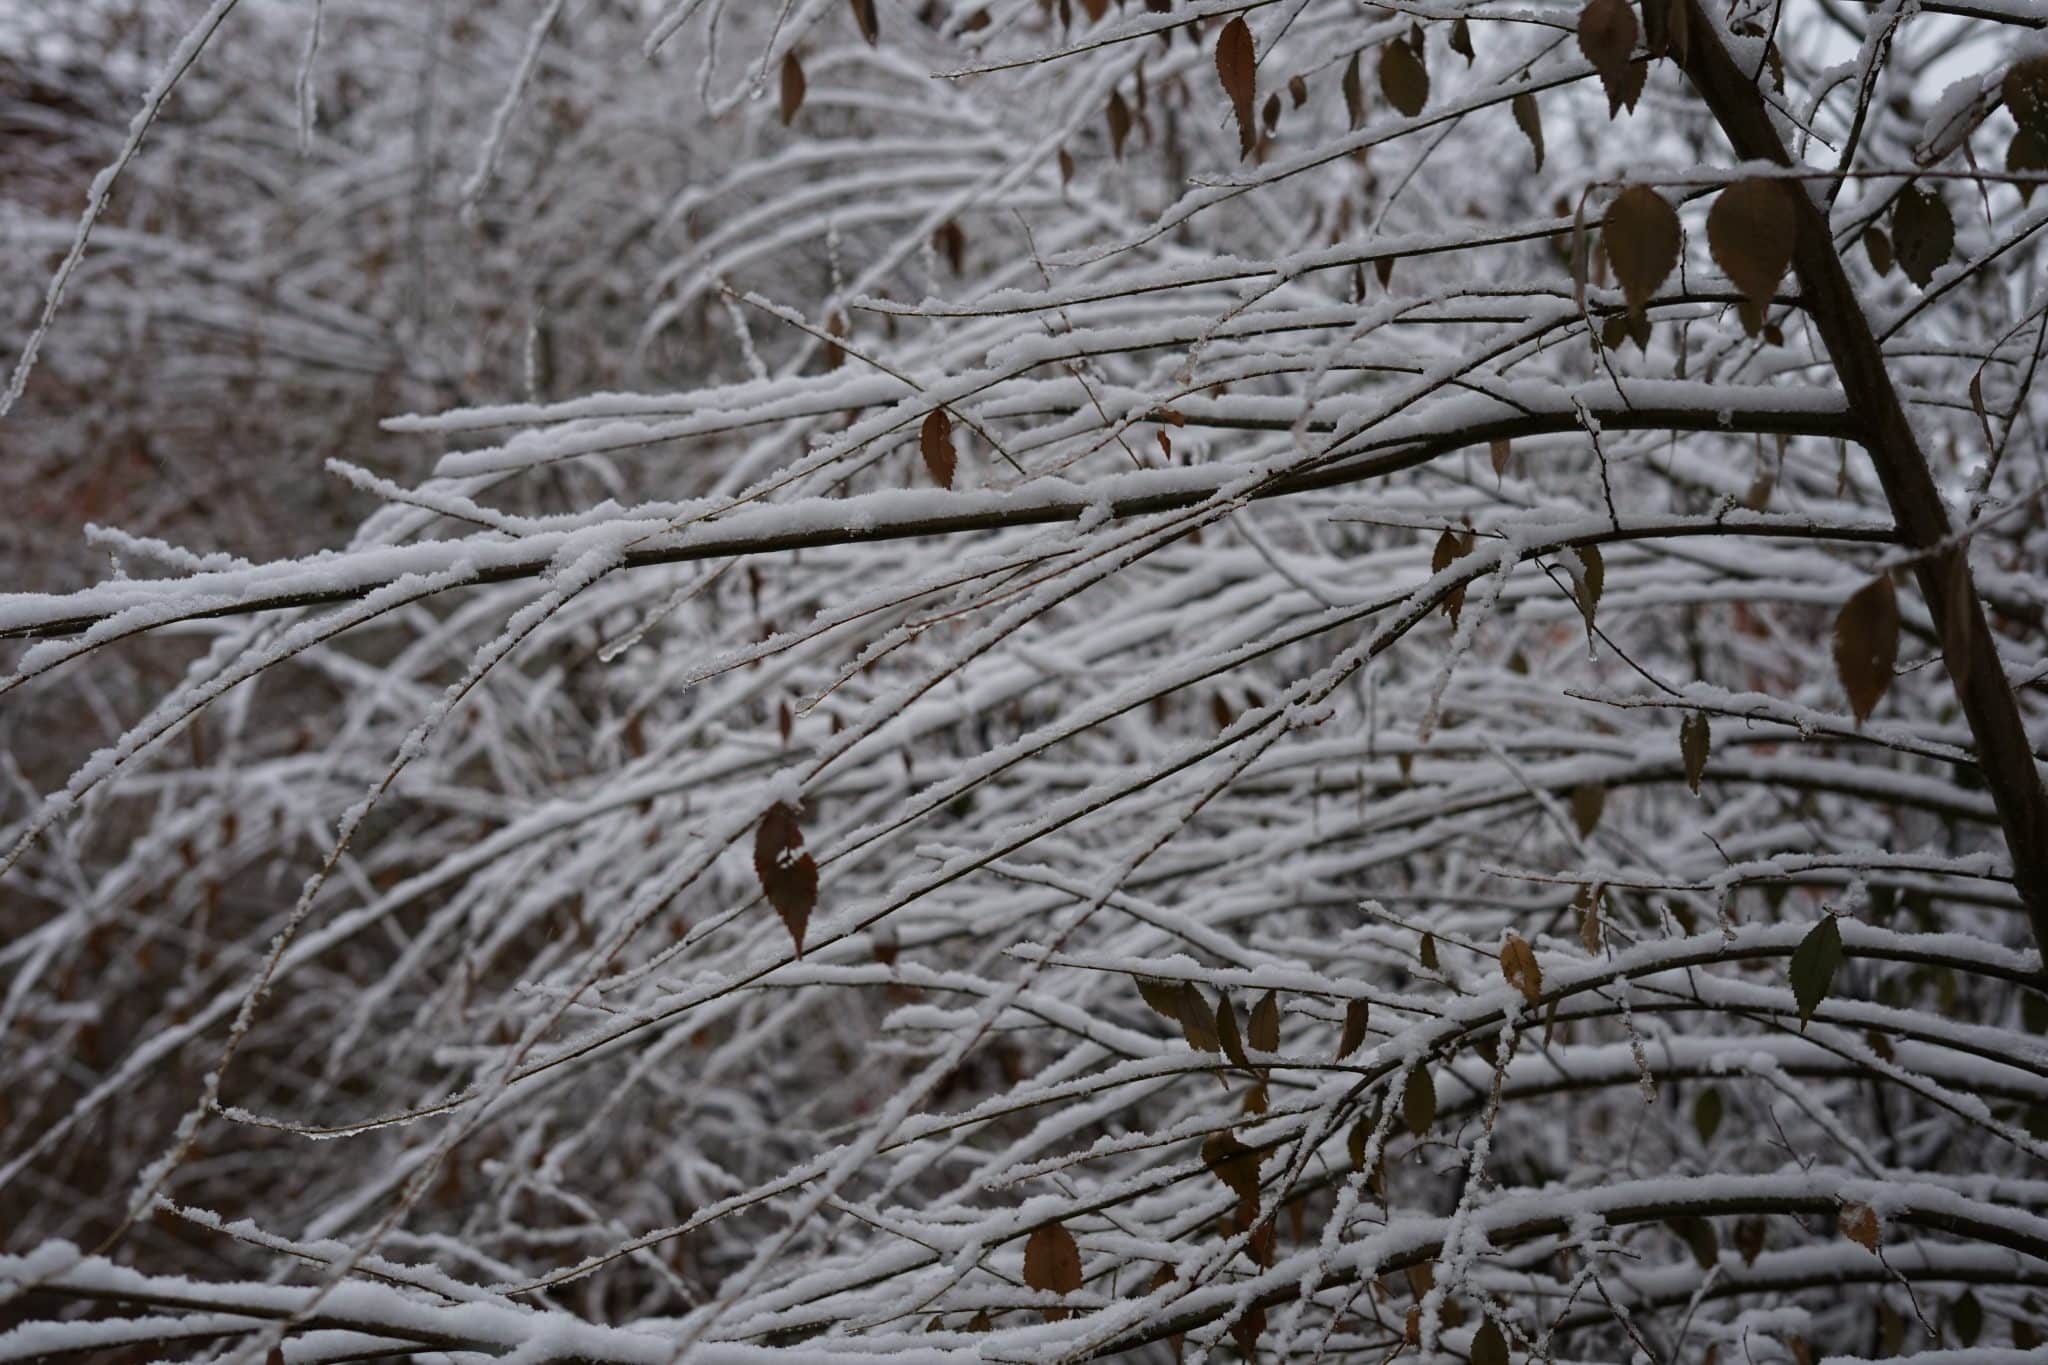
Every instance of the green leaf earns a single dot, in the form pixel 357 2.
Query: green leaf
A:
pixel 1813 966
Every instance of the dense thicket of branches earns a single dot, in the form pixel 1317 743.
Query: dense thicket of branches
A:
pixel 1026 680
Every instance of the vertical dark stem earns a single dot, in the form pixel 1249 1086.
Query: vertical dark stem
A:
pixel 1943 574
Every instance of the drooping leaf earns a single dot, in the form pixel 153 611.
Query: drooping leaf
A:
pixel 2025 90
pixel 1162 996
pixel 1665 29
pixel 1238 68
pixel 935 443
pixel 788 875
pixel 864 19
pixel 1588 903
pixel 2027 155
pixel 1500 450
pixel 1588 580
pixel 1264 1032
pixel 1118 115
pixel 1706 1113
pixel 1878 246
pixel 1451 546
pixel 1966 1315
pixel 1867 645
pixel 1518 964
pixel 1404 77
pixel 1488 1347
pixel 1247 1327
pixel 1643 242
pixel 1751 231
pixel 1813 966
pixel 1354 93
pixel 1695 742
pixel 1750 1236
pixel 1461 40
pixel 1923 233
pixel 1861 1225
pixel 1699 1237
pixel 1197 1020
pixel 1428 953
pixel 1607 35
pixel 1529 118
pixel 1357 1018
pixel 1233 1163
pixel 1052 1263
pixel 1227 1033
pixel 792 87
pixel 1589 799
pixel 1418 1101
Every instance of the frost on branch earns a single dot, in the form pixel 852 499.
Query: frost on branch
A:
pixel 1014 681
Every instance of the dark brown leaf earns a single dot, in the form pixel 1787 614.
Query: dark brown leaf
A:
pixel 1227 1033
pixel 1118 115
pixel 1264 1033
pixel 1238 68
pixel 1357 1018
pixel 1162 996
pixel 1354 93
pixel 1197 1021
pixel 864 19
pixel 1404 77
pixel 1589 799
pixel 1529 119
pixel 1451 546
pixel 1233 1163
pixel 1607 35
pixel 1695 740
pixel 1643 241
pixel 1923 233
pixel 1750 231
pixel 1052 1263
pixel 2027 155
pixel 1418 1101
pixel 1861 1225
pixel 792 87
pixel 1867 644
pixel 1489 1347
pixel 1461 40
pixel 935 443
pixel 1518 964
pixel 1878 246
pixel 2026 94
pixel 789 876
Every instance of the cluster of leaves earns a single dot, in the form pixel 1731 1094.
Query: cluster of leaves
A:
pixel 1242 677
